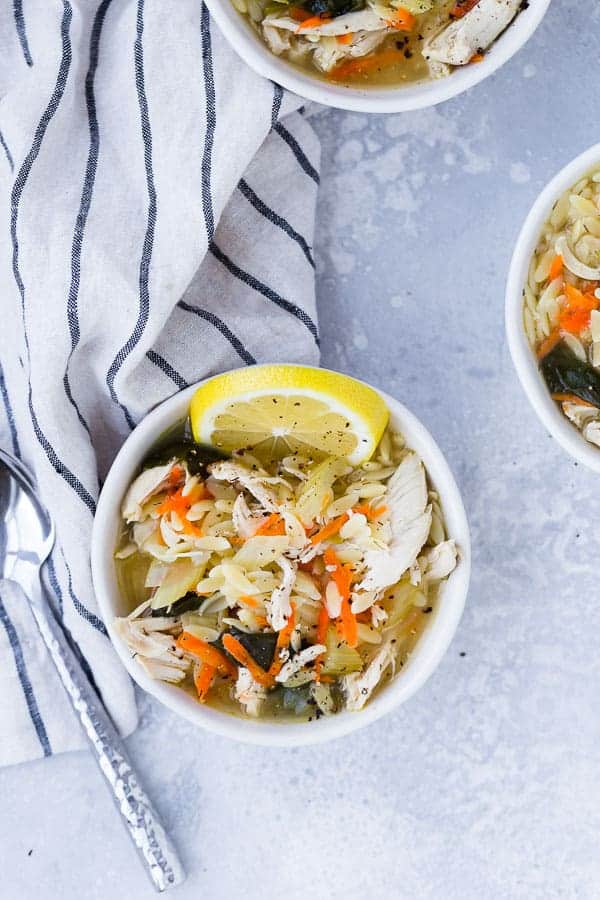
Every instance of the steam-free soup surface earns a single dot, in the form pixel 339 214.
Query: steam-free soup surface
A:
pixel 279 589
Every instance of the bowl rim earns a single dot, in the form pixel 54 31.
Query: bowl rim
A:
pixel 416 95
pixel 569 438
pixel 425 658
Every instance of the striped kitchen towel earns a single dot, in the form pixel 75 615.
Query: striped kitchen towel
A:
pixel 158 203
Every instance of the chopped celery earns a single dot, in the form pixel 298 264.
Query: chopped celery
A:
pixel 182 577
pixel 131 574
pixel 340 659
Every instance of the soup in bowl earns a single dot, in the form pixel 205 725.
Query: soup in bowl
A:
pixel 351 53
pixel 305 568
pixel 553 307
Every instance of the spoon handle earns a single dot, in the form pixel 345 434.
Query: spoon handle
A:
pixel 142 823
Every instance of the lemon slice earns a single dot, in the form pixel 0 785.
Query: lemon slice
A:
pixel 283 409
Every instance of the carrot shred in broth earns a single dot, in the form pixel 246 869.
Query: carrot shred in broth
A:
pixel 313 22
pixel 283 641
pixel 241 655
pixel 402 20
pixel 366 64
pixel 556 268
pixel 206 652
pixel 273 526
pixel 345 38
pixel 462 7
pixel 299 14
pixel 572 398
pixel 203 680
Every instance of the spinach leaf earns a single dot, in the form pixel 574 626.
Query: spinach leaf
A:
pixel 333 7
pixel 188 603
pixel 297 699
pixel 260 646
pixel 565 373
pixel 196 456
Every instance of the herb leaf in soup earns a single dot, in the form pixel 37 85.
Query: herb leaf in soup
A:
pixel 196 456
pixel 565 373
pixel 333 7
pixel 188 603
pixel 260 645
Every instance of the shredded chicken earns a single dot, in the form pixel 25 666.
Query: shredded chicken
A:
pixel 439 561
pixel 299 661
pixel 279 605
pixel 368 30
pixel 359 686
pixel 244 522
pixel 152 642
pixel 249 692
pixel 458 42
pixel 257 484
pixel 410 521
pixel 145 486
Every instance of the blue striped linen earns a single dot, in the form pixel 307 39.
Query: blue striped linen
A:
pixel 158 200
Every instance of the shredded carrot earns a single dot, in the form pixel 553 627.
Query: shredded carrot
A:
pixel 345 38
pixel 556 267
pixel 403 20
pixel 349 623
pixel 576 299
pixel 462 7
pixel 191 528
pixel 313 22
pixel 330 529
pixel 261 621
pixel 239 653
pixel 575 315
pixel 207 653
pixel 572 398
pixel 176 475
pixel 342 577
pixel 477 58
pixel 299 14
pixel 549 344
pixel 365 64
pixel 574 321
pixel 283 640
pixel 178 503
pixel 330 557
pixel 248 601
pixel 272 525
pixel 322 626
pixel 204 679
pixel 369 512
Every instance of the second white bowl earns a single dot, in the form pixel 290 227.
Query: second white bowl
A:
pixel 522 355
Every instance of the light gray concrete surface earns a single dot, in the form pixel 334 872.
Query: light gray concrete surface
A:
pixel 486 784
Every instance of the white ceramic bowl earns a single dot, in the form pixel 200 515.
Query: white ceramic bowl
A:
pixel 523 358
pixel 256 54
pixel 424 659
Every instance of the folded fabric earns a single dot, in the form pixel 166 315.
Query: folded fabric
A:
pixel 159 200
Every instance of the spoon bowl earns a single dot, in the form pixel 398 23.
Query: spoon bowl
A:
pixel 26 530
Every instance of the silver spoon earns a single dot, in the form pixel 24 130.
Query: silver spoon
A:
pixel 26 539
